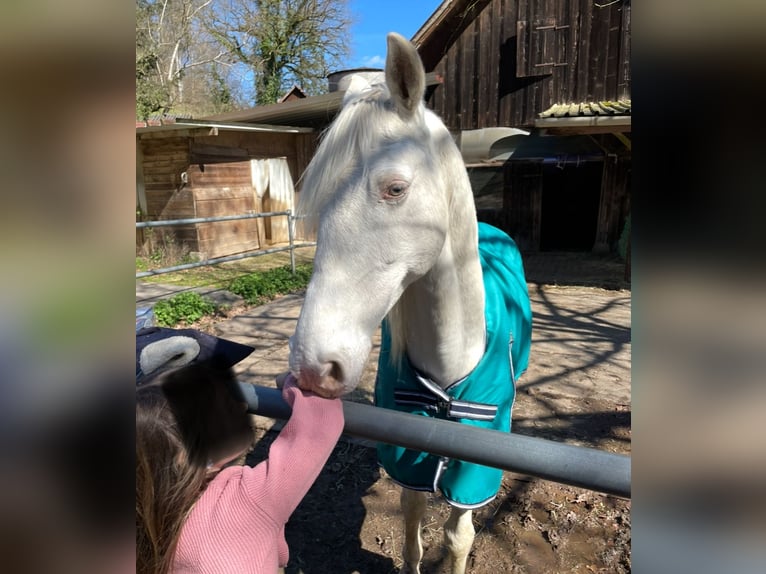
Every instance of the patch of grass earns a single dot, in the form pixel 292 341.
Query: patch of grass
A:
pixel 220 276
pixel 258 288
pixel 186 307
pixel 142 264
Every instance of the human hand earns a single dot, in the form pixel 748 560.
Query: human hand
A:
pixel 282 378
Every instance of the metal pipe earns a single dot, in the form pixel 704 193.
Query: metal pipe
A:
pixel 192 220
pixel 290 225
pixel 222 259
pixel 573 465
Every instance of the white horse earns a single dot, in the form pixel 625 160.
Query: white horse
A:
pixel 397 238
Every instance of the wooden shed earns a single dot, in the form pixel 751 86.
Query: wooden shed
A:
pixel 201 168
pixel 560 70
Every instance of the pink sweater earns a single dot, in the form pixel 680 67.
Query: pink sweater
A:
pixel 238 524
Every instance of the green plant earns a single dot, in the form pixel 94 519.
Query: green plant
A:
pixel 188 307
pixel 260 287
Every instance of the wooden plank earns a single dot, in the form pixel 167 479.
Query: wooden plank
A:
pixel 167 179
pixel 220 181
pixel 213 248
pixel 601 244
pixel 166 144
pixel 226 174
pixel 207 150
pixel 623 81
pixel 484 57
pixel 223 193
pixel 521 197
pixel 225 233
pixel 451 81
pixel 612 62
pixel 468 75
pixel 187 132
pixel 522 10
pixel 599 53
pixel 508 14
pixel 572 51
pixel 216 208
pixel 523 45
pixel 583 91
pixel 158 190
pixel 548 41
pixel 232 178
pixel 305 146
pixel 491 30
pixel 159 211
pixel 165 164
pixel 154 158
pixel 442 93
pixel 560 91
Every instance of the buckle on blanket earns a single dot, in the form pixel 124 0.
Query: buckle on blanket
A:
pixel 438 401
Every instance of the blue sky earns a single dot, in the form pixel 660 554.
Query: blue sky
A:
pixel 376 18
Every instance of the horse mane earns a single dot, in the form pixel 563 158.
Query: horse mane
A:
pixel 356 127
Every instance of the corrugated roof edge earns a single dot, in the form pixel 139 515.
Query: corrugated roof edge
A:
pixel 603 108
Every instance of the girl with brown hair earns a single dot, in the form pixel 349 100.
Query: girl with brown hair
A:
pixel 197 510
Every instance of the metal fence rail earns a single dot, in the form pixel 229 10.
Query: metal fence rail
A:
pixel 291 247
pixel 573 465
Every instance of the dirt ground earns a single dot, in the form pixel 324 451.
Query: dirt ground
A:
pixel 576 390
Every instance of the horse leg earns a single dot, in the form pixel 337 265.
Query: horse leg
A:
pixel 458 537
pixel 414 509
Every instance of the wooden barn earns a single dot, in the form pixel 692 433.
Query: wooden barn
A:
pixel 537 95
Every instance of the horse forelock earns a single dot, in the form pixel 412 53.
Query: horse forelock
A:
pixel 365 120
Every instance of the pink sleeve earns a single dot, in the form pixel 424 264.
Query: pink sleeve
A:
pixel 297 455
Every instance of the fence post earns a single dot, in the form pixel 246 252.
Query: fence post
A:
pixel 291 239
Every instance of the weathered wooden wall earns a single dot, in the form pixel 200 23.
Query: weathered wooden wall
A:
pixel 522 203
pixel 505 61
pixel 218 183
pixel 225 189
pixel 164 160
pixel 615 202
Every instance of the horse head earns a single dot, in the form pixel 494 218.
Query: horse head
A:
pixel 377 190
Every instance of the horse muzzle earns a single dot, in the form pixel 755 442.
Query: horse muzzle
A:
pixel 327 383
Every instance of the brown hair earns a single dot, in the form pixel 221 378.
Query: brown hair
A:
pixel 185 419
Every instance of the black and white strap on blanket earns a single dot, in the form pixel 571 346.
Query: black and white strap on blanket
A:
pixel 436 399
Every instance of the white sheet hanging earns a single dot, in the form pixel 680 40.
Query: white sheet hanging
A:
pixel 282 194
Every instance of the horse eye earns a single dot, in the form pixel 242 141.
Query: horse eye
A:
pixel 396 189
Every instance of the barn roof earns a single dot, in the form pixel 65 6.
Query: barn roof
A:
pixel 184 126
pixel 312 111
pixel 434 35
pixel 587 118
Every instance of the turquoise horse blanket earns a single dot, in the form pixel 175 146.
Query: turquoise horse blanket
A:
pixel 484 398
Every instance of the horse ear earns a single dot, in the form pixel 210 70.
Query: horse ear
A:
pixel 405 76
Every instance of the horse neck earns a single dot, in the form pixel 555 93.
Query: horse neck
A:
pixel 441 315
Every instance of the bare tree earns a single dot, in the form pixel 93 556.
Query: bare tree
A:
pixel 171 44
pixel 283 42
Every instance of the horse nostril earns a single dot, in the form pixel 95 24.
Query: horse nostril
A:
pixel 336 372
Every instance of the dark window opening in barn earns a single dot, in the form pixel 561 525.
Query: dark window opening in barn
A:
pixel 487 186
pixel 570 203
